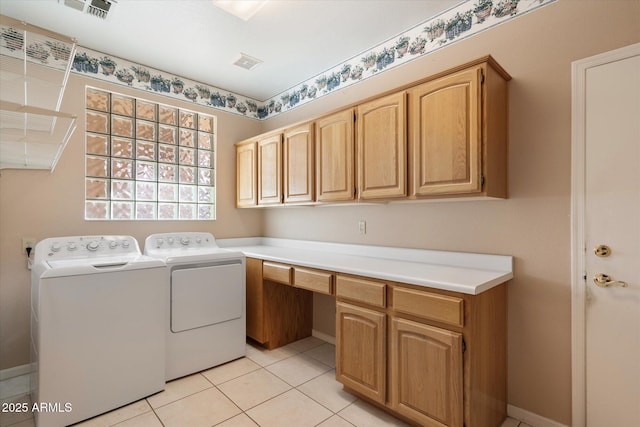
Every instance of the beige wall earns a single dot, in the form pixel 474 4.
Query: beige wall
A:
pixel 41 204
pixel 533 224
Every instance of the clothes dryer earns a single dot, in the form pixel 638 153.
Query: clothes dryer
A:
pixel 206 322
pixel 98 309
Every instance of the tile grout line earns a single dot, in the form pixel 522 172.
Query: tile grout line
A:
pixel 173 401
pixel 292 387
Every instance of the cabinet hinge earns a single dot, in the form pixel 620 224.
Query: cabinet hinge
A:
pixel 464 346
pixel 482 181
pixel 481 76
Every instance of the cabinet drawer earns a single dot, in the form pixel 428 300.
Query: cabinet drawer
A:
pixel 441 308
pixel 316 281
pixel 277 272
pixel 365 291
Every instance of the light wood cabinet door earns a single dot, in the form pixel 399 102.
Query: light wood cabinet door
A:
pixel 426 373
pixel 446 135
pixel 299 164
pixel 382 147
pixel 335 157
pixel 270 170
pixel 255 301
pixel 246 181
pixel 360 350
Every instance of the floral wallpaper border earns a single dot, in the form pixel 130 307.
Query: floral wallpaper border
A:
pixel 464 20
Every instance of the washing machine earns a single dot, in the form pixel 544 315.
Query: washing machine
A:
pixel 98 311
pixel 206 322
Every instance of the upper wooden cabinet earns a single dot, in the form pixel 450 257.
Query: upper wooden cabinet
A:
pixel 444 137
pixel 335 157
pixel 270 169
pixel 382 148
pixel 246 181
pixel 299 179
pixel 458 134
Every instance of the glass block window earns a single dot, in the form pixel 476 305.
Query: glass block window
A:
pixel 147 161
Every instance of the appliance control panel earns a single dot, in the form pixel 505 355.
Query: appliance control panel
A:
pixel 176 241
pixel 85 247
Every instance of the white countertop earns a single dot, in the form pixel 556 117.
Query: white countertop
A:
pixel 467 273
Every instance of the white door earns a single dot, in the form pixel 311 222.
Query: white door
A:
pixel 612 241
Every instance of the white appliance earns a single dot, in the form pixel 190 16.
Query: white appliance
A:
pixel 207 319
pixel 98 309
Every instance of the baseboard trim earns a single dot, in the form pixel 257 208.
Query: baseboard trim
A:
pixel 534 420
pixel 16 371
pixel 323 336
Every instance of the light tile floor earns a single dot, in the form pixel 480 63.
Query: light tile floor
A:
pixel 290 386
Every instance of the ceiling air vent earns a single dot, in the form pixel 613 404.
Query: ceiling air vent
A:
pixel 98 8
pixel 247 62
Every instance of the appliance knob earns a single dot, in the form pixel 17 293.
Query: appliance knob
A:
pixel 55 247
pixel 93 245
pixel 184 241
pixel 125 244
pixel 198 239
pixel 170 240
pixel 113 244
pixel 160 242
pixel 72 246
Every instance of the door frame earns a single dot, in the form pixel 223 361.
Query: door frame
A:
pixel 578 249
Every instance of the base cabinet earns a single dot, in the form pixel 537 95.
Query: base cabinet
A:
pixel 433 358
pixel 426 373
pixel 276 315
pixel 360 350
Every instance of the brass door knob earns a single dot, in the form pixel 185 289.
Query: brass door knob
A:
pixel 602 251
pixel 604 281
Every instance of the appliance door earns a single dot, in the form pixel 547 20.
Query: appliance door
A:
pixel 204 295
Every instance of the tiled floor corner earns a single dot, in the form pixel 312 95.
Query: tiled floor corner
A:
pixel 290 386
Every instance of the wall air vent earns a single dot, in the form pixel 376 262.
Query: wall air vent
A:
pixel 97 8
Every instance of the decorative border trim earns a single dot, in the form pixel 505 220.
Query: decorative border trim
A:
pixel 461 21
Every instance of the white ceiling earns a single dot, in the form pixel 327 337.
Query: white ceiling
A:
pixel 296 39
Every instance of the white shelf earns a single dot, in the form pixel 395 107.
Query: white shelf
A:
pixel 34 68
pixel 31 137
